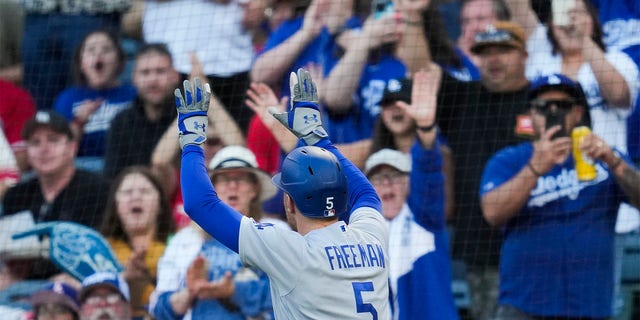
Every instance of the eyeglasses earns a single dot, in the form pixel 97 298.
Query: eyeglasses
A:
pixel 52 309
pixel 393 178
pixel 111 298
pixel 228 179
pixel 543 106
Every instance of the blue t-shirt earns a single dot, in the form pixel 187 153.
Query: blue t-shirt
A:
pixel 557 254
pixel 312 53
pixel 93 141
pixel 468 71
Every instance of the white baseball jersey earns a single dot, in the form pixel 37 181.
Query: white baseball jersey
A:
pixel 337 272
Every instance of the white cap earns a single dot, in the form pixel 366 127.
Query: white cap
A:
pixel 238 157
pixel 393 158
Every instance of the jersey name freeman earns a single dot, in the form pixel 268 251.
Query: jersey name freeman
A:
pixel 355 256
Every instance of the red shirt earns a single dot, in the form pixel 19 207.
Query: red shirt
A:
pixel 16 107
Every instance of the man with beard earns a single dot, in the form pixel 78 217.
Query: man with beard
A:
pixel 104 296
pixel 479 118
pixel 151 113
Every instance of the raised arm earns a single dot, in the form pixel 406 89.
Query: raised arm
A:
pixel 413 47
pixel 522 13
pixel 344 78
pixel 627 177
pixel 304 121
pixel 272 65
pixel 201 202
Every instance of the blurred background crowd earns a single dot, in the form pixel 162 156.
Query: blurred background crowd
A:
pixel 89 136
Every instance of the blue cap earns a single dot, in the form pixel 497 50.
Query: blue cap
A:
pixel 557 82
pixel 57 293
pixel 114 281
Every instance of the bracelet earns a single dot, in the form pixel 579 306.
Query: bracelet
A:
pixel 427 128
pixel 534 171
pixel 617 164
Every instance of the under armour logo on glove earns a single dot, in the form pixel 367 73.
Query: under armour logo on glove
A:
pixel 313 118
pixel 78 250
pixel 303 119
pixel 192 112
pixel 198 126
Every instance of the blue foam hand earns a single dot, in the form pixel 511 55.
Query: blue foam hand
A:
pixel 76 249
pixel 192 112
pixel 303 118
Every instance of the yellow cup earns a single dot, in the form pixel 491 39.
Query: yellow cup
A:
pixel 585 169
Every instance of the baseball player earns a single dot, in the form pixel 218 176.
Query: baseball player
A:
pixel 327 269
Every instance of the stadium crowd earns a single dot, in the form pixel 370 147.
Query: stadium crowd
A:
pixel 445 105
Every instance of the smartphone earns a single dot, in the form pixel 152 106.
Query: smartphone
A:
pixel 554 119
pixel 560 11
pixel 381 8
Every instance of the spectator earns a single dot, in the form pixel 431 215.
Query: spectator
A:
pixel 479 118
pixel 219 33
pixel 137 224
pixel 151 113
pixel 395 129
pixel 355 84
pixel 561 233
pixel 609 77
pixel 411 187
pixel 299 41
pixel 58 191
pixel 198 275
pixel 98 96
pixel 425 39
pixel 104 295
pixel 16 107
pixel 619 20
pixel 475 16
pixel 52 30
pixel 57 301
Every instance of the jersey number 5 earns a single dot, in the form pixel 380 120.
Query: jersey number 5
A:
pixel 362 307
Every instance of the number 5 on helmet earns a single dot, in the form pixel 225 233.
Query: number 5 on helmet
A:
pixel 303 119
pixel 192 112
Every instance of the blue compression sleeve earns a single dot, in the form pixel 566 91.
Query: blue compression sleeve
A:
pixel 426 198
pixel 361 192
pixel 201 202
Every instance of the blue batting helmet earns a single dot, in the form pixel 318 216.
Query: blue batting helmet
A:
pixel 313 178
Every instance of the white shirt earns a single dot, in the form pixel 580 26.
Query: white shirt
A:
pixel 213 30
pixel 607 121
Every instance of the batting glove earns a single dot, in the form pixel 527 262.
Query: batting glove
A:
pixel 192 112
pixel 76 249
pixel 303 119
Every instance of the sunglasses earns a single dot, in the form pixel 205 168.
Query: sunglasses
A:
pixel 543 106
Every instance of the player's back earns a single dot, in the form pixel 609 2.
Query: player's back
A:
pixel 337 272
